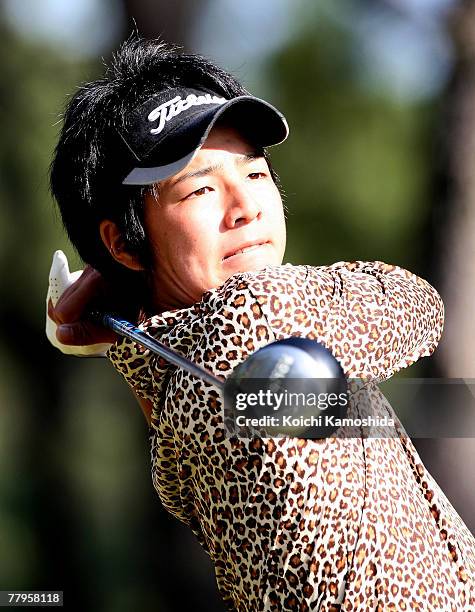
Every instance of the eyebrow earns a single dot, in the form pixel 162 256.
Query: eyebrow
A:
pixel 241 160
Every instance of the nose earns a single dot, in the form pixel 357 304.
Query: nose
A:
pixel 241 207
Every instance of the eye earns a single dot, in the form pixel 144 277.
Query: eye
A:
pixel 256 175
pixel 199 192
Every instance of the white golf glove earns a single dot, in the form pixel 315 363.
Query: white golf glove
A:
pixel 60 278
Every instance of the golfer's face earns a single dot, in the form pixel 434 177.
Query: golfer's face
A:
pixel 221 215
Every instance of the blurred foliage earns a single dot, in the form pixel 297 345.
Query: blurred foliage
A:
pixel 32 94
pixel 356 168
pixel 33 84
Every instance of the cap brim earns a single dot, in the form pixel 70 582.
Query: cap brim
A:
pixel 264 126
pixel 149 176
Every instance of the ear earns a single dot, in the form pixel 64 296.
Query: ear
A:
pixel 112 238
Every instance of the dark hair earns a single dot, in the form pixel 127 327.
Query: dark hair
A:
pixel 87 167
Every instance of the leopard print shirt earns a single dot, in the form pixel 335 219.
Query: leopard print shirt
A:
pixel 342 523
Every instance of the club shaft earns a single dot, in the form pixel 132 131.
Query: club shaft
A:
pixel 127 329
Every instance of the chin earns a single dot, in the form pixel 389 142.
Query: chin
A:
pixel 254 265
pixel 252 260
pixel 263 264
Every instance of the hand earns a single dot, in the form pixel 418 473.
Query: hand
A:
pixel 69 298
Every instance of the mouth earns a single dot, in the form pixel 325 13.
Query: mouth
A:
pixel 246 248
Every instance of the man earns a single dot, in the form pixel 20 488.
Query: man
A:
pixel 166 190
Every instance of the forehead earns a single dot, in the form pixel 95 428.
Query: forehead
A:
pixel 227 138
pixel 223 142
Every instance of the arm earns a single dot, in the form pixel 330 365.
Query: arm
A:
pixel 376 318
pixel 146 406
pixel 389 318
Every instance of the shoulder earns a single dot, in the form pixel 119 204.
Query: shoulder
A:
pixel 273 286
pixel 272 303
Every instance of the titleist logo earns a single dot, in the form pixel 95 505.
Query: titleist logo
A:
pixel 177 105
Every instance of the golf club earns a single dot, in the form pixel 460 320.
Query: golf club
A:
pixel 291 368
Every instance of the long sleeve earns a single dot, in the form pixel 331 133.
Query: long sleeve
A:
pixel 292 523
pixel 375 318
pixel 392 318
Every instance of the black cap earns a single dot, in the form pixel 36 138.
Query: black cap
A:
pixel 165 132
